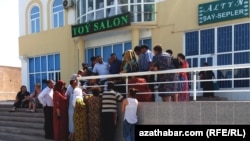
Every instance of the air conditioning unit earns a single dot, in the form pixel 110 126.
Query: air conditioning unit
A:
pixel 68 3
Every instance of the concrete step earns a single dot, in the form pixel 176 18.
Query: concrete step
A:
pixel 22 119
pixel 22 131
pixel 22 124
pixel 2 109
pixel 18 137
pixel 22 114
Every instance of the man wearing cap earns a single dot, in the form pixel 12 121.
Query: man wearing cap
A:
pixel 46 99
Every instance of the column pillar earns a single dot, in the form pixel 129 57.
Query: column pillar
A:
pixel 81 52
pixel 24 71
pixel 135 37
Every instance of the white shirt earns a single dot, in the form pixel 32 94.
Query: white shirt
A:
pixel 46 97
pixel 77 93
pixel 101 69
pixel 130 111
pixel 69 91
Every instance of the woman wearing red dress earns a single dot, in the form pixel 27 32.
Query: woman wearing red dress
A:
pixel 141 85
pixel 184 94
pixel 60 112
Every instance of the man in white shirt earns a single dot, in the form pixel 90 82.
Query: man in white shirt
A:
pixel 46 99
pixel 101 68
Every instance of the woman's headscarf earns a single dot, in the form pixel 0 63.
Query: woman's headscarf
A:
pixel 59 85
pixel 129 55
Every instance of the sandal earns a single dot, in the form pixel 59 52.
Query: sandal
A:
pixel 32 111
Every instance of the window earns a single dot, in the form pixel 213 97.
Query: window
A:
pixel 207 41
pixel 231 47
pixel 35 19
pixel 146 42
pixel 192 43
pixel 118 48
pixel 42 68
pixel 106 50
pixel 224 42
pixel 58 14
pixel 141 10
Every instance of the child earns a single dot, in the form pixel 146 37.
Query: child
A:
pixel 129 108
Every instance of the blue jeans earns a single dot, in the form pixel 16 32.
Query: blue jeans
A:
pixel 128 131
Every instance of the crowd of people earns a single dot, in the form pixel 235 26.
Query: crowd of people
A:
pixel 171 87
pixel 86 110
pixel 77 116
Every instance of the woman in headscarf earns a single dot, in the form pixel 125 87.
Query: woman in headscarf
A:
pixel 60 112
pixel 183 76
pixel 80 116
pixel 129 62
pixel 94 114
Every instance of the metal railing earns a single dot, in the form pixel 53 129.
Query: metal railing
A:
pixel 194 81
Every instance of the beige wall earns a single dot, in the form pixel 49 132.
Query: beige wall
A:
pixel 175 17
pixel 10 82
pixel 53 41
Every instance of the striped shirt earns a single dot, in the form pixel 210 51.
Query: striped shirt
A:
pixel 109 100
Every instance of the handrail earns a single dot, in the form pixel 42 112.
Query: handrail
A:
pixel 193 71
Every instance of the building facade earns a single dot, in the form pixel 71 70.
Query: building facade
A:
pixel 56 36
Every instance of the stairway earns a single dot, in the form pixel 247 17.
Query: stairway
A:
pixel 20 125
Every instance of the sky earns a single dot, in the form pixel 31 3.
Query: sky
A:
pixel 9 33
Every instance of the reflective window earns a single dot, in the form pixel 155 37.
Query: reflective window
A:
pixel 42 68
pixel 147 42
pixel 232 47
pixel 141 10
pixel 192 43
pixel 127 46
pixel 118 48
pixel 106 50
pixel 224 40
pixel 58 14
pixel 35 19
pixel 207 41
pixel 241 37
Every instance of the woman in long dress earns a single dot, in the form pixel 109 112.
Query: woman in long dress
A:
pixel 69 95
pixel 60 112
pixel 80 116
pixel 184 95
pixel 94 114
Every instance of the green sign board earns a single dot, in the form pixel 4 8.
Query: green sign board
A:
pixel 222 10
pixel 101 25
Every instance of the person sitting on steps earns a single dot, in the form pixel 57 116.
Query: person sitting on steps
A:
pixel 33 99
pixel 22 99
